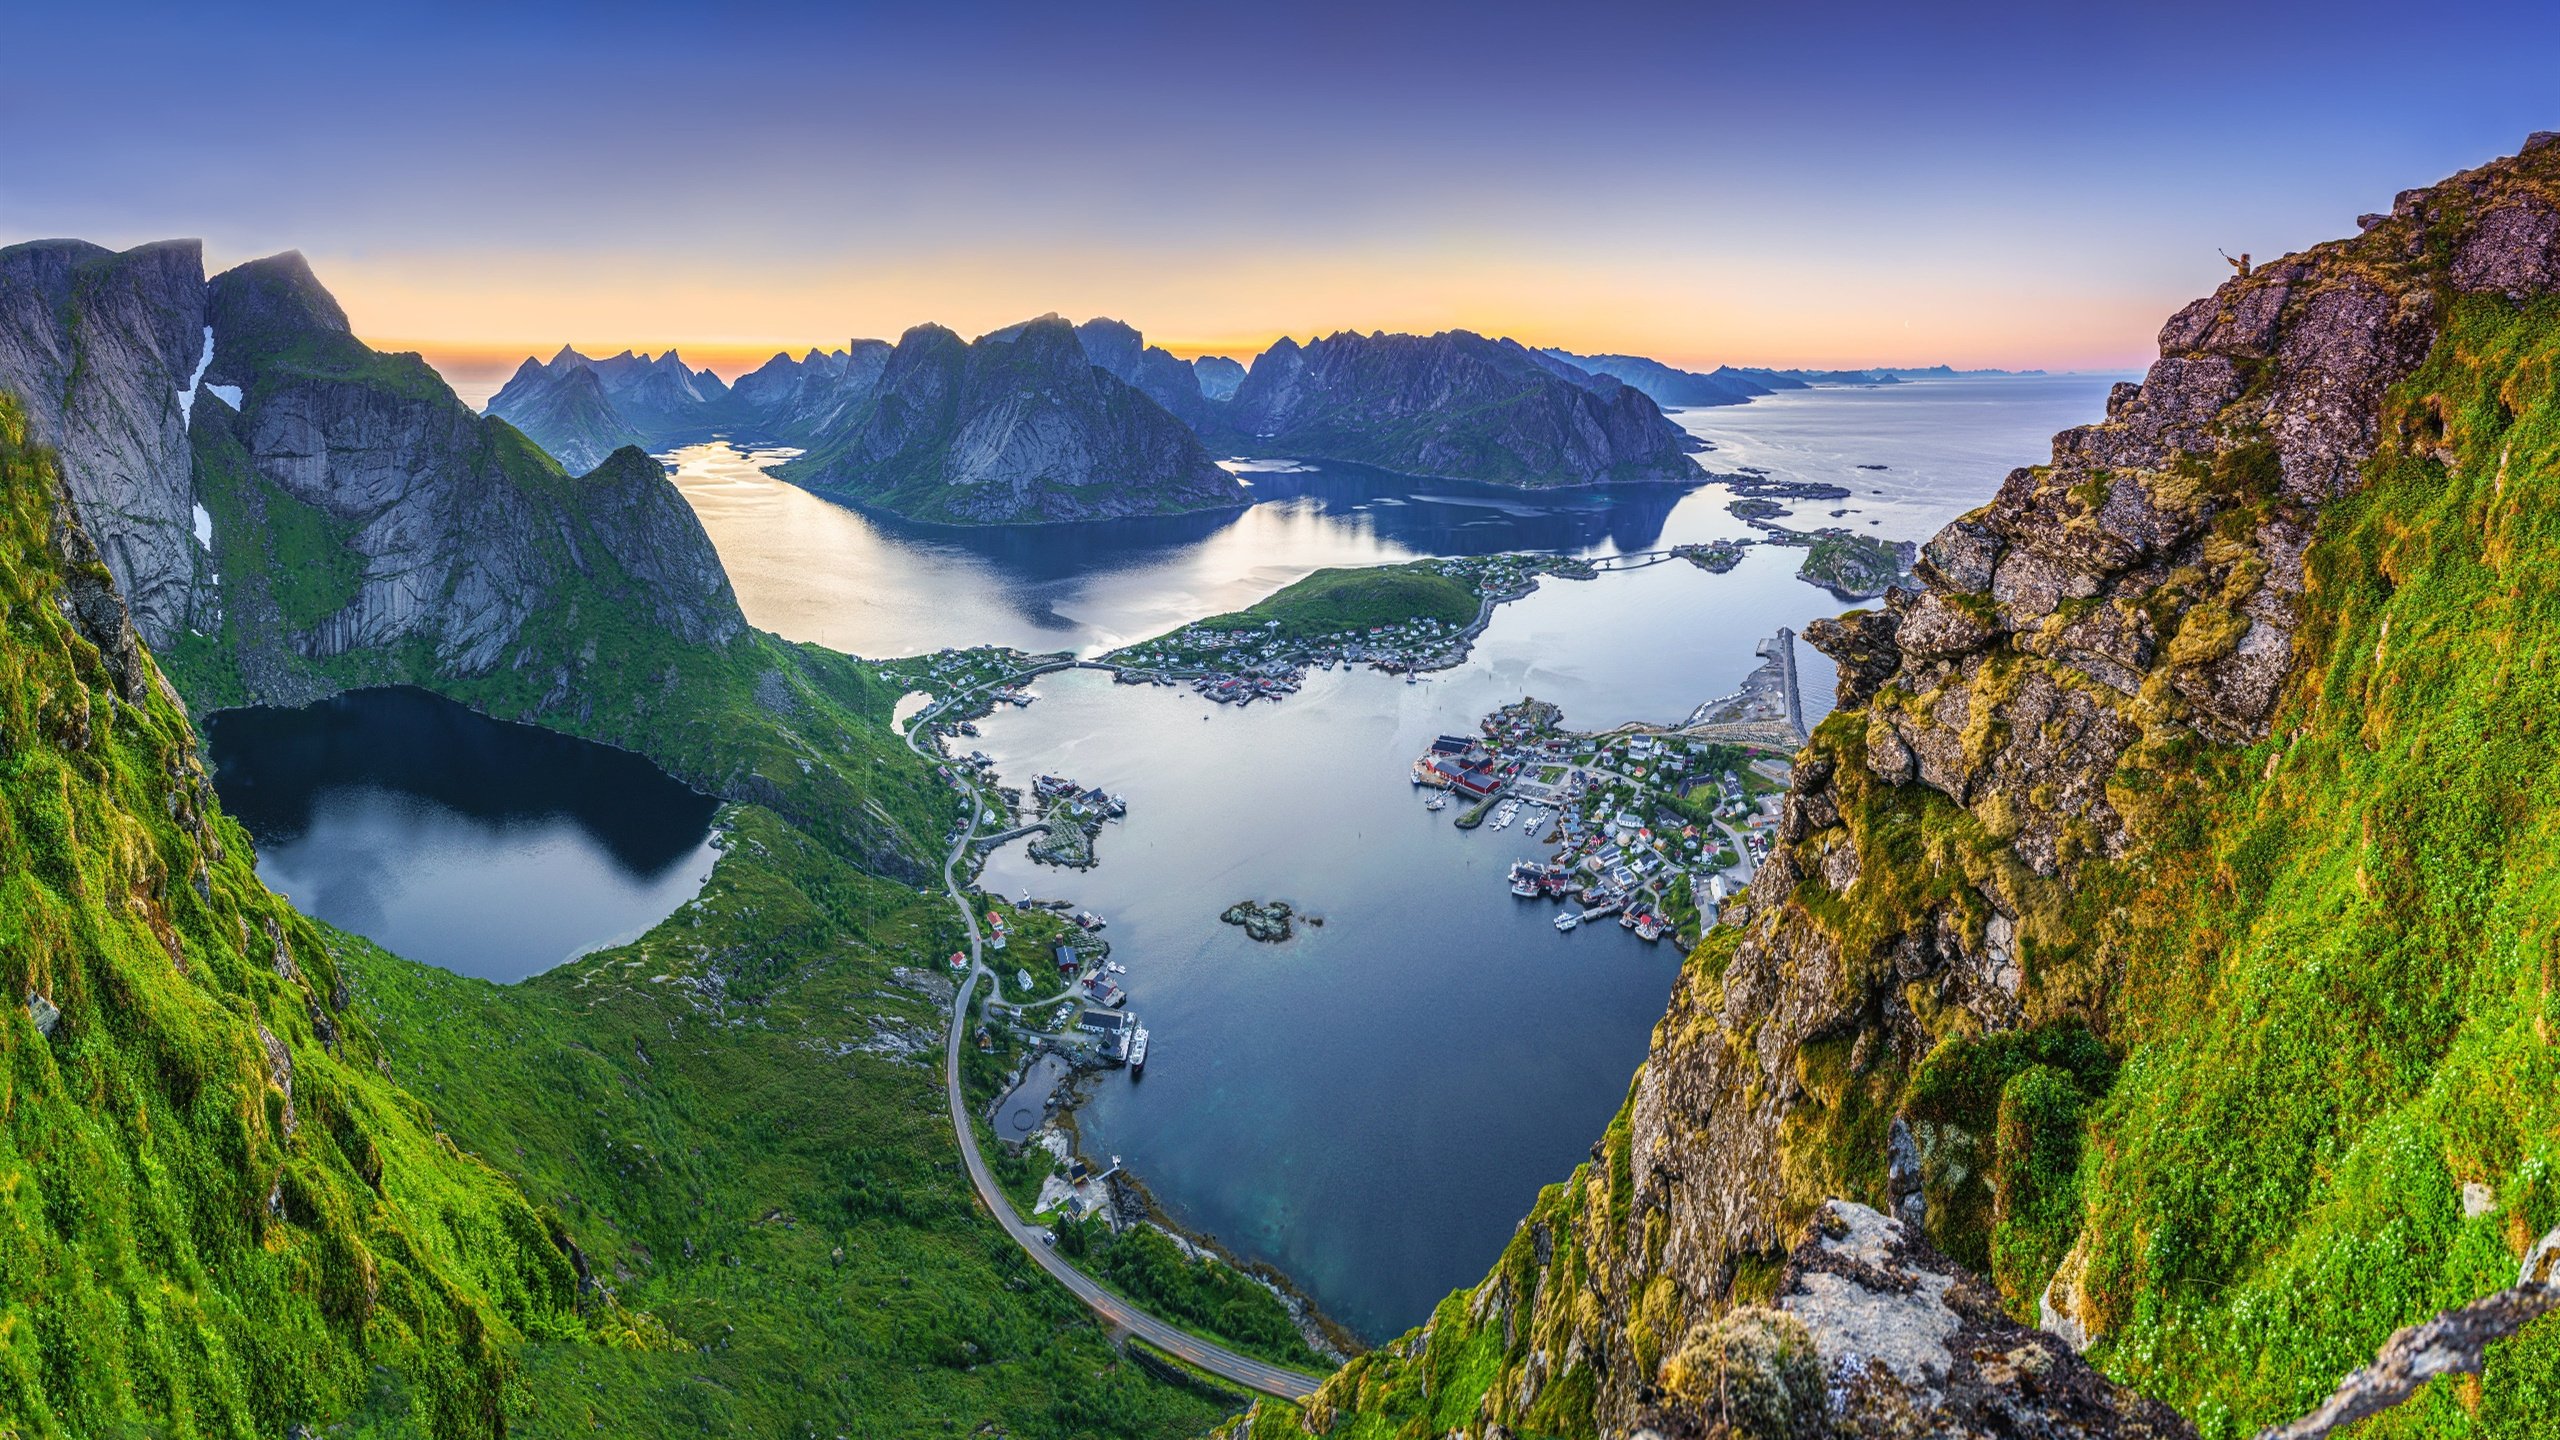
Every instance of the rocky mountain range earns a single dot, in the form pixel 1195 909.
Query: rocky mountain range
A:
pixel 1156 373
pixel 569 408
pixel 1020 426
pixel 457 533
pixel 878 423
pixel 582 410
pixel 1676 389
pixel 813 396
pixel 1457 405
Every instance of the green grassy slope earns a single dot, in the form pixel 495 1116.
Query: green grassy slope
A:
pixel 747 1217
pixel 2342 1010
pixel 217 1217
pixel 2322 993
pixel 1336 601
pixel 741 1118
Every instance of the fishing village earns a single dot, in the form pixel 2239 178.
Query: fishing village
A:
pixel 1655 826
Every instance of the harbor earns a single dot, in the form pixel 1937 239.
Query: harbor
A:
pixel 1656 827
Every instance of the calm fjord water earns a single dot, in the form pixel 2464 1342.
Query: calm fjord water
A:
pixel 493 849
pixel 1373 1105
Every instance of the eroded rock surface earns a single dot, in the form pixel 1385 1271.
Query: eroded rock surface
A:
pixel 1875 1334
pixel 103 348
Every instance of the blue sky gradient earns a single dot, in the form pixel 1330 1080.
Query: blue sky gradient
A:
pixel 1776 184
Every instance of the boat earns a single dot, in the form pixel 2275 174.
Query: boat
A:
pixel 1438 801
pixel 1138 1050
pixel 1568 920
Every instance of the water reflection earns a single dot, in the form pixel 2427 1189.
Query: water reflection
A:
pixel 493 849
pixel 874 585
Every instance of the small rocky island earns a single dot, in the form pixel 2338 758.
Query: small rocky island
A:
pixel 1266 920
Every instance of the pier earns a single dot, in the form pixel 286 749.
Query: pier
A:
pixel 1781 648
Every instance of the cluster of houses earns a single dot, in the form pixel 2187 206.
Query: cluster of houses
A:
pixel 1241 665
pixel 1652 828
pixel 1464 766
pixel 1238 667
pixel 1056 793
pixel 947 670
pixel 1071 813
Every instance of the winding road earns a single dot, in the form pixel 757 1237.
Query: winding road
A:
pixel 1114 1311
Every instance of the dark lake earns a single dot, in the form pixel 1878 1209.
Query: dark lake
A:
pixel 489 848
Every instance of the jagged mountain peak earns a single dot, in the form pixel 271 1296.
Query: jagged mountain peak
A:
pixel 1454 403
pixel 278 294
pixel 1022 425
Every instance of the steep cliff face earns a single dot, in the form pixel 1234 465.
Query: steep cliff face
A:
pixel 460 530
pixel 1453 404
pixel 103 349
pixel 1018 427
pixel 222 1218
pixel 2158 914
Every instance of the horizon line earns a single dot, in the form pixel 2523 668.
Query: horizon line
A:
pixel 729 358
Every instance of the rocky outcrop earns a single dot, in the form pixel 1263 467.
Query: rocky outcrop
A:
pixel 1019 427
pixel 1454 404
pixel 1874 1333
pixel 2142 590
pixel 104 348
pixel 2099 633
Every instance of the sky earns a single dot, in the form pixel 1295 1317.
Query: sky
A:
pixel 1836 184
